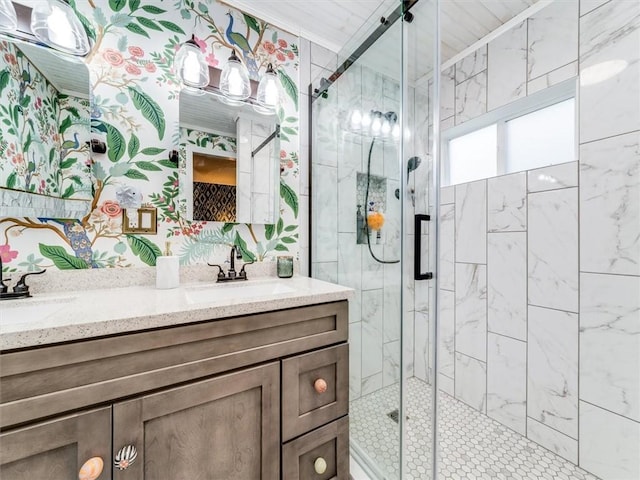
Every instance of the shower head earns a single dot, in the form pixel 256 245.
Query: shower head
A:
pixel 412 164
pixel 392 117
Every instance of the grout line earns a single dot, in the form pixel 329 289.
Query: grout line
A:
pixel 506 336
pixel 605 273
pixel 551 308
pixel 610 411
pixel 554 429
pixel 609 137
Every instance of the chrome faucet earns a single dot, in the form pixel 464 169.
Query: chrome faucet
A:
pixel 231 273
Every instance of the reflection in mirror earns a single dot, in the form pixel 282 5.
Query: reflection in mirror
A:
pixel 44 133
pixel 230 163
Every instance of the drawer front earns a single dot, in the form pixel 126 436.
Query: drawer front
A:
pixel 326 448
pixel 50 380
pixel 315 390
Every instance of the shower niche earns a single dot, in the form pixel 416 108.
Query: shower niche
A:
pixel 371 208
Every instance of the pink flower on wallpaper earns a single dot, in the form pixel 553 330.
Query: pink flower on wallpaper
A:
pixel 269 47
pixel 6 253
pixel 290 55
pixel 111 208
pixel 280 57
pixel 150 67
pixel 133 69
pixel 113 57
pixel 211 60
pixel 201 43
pixel 282 43
pixel 283 154
pixel 10 58
pixel 136 51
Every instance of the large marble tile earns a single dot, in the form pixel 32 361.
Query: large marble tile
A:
pixel 372 271
pixel 325 244
pixel 408 334
pixel 471 65
pixel 323 57
pixel 553 249
pixel 327 271
pixel 610 205
pixel 552 396
pixel 507 284
pixel 610 342
pixel 446 334
pixel 392 311
pixel 446 384
pixel 371 384
pixel 448 93
pixel 372 332
pixel 552 78
pixel 507 203
pixel 349 261
pixel 588 5
pixel 355 360
pixel 447 195
pixel 391 363
pixel 609 444
pixel 471 382
pixel 553 178
pixel 507 67
pixel 507 382
pixel 347 186
pixel 610 107
pixel 421 341
pixel 447 246
pixel 471 98
pixel 471 310
pixel 552 37
pixel 471 222
pixel 553 440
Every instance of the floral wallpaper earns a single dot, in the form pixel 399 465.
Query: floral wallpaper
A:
pixel 44 133
pixel 134 108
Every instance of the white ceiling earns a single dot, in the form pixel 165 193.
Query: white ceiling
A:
pixel 334 23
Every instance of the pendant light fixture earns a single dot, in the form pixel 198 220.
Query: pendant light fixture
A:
pixel 54 23
pixel 234 80
pixel 269 89
pixel 8 18
pixel 191 66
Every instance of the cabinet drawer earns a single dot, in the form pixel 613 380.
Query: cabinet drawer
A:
pixel 329 444
pixel 304 405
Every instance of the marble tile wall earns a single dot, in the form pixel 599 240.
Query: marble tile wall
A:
pixel 562 351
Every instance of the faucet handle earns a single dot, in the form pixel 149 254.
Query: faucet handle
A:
pixel 243 273
pixel 220 271
pixel 21 286
pixel 3 287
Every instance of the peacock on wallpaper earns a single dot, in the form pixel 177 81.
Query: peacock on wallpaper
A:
pixel 134 108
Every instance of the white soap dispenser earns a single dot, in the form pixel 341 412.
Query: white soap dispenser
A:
pixel 167 269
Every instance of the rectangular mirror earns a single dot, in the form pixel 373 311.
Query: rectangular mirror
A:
pixel 231 156
pixel 44 133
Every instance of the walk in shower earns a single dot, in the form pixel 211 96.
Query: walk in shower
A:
pixel 458 157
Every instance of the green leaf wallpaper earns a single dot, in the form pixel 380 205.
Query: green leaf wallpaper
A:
pixel 134 109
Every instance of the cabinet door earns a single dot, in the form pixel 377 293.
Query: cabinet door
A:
pixel 223 428
pixel 58 448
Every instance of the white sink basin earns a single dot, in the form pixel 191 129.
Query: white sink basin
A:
pixel 236 291
pixel 31 309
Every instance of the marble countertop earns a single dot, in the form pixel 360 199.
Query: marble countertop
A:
pixel 74 315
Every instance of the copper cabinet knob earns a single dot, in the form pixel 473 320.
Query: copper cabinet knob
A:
pixel 320 385
pixel 320 465
pixel 125 457
pixel 91 469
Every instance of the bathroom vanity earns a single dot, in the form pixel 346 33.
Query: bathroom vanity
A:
pixel 201 386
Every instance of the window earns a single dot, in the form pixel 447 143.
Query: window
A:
pixel 530 133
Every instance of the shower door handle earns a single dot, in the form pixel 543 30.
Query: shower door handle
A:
pixel 417 254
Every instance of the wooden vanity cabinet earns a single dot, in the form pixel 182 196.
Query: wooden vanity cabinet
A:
pixel 204 400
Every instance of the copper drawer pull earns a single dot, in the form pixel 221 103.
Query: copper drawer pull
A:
pixel 91 469
pixel 320 385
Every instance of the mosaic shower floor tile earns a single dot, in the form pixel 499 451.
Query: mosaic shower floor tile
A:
pixel 472 445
